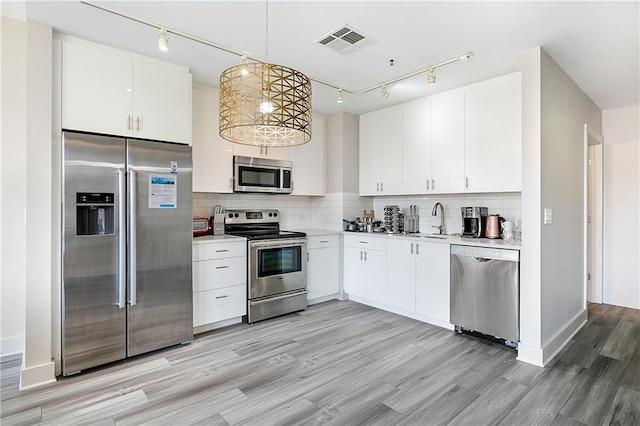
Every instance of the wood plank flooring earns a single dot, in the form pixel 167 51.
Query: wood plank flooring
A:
pixel 348 364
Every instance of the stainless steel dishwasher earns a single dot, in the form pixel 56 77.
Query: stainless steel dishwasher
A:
pixel 485 292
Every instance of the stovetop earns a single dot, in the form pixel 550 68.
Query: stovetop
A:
pixel 257 224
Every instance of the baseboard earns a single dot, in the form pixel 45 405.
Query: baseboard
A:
pixel 219 324
pixel 323 299
pixel 619 300
pixel 555 344
pixel 37 375
pixel 11 346
pixel 530 354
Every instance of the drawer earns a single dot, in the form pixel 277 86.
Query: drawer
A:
pixel 364 241
pixel 219 250
pixel 219 304
pixel 323 241
pixel 218 273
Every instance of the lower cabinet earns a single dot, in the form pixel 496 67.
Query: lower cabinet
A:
pixel 323 266
pixel 219 280
pixel 408 276
pixel 365 267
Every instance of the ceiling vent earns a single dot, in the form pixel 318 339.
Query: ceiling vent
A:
pixel 345 40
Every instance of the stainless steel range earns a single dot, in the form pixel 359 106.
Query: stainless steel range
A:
pixel 276 263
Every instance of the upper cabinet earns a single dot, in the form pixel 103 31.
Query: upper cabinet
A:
pixel 212 155
pixel 492 128
pixel 381 152
pixel 308 170
pixel 109 91
pixel 461 140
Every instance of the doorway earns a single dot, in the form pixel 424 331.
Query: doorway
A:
pixel 594 215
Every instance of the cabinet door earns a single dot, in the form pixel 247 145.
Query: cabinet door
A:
pixel 447 142
pixel 401 274
pixel 212 155
pixel 416 147
pixel 493 135
pixel 370 153
pixel 375 276
pixel 391 150
pixel 323 272
pixel 96 90
pixel 275 153
pixel 354 271
pixel 432 281
pixel 161 102
pixel 309 162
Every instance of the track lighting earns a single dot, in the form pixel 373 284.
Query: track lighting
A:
pixel 163 40
pixel 385 93
pixel 431 77
pixel 339 98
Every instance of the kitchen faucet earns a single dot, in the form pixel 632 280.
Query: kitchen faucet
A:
pixel 434 212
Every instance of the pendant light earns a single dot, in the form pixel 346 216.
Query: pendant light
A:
pixel 265 104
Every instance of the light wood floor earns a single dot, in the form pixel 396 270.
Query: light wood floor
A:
pixel 345 363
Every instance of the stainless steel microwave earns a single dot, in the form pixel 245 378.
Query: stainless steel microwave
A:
pixel 252 174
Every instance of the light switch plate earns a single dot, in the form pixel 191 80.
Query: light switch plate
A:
pixel 548 216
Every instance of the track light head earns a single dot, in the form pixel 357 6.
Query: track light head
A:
pixel 339 97
pixel 163 40
pixel 243 61
pixel 431 77
pixel 385 93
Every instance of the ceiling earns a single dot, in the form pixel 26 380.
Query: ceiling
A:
pixel 596 43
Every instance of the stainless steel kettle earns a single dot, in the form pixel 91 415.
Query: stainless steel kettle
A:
pixel 493 226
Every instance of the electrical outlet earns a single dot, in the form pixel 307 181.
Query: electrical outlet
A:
pixel 548 216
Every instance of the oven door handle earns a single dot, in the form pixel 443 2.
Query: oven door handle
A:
pixel 278 243
pixel 284 296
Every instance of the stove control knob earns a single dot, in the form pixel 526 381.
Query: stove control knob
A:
pixel 275 214
pixel 237 215
pixel 230 215
pixel 270 214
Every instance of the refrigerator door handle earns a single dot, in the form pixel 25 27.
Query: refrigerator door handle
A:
pixel 122 239
pixel 133 210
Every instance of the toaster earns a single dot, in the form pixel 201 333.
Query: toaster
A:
pixel 201 226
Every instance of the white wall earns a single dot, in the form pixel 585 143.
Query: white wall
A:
pixel 13 189
pixel 555 109
pixel 621 131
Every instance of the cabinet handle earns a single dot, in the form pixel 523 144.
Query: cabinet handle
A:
pixel 360 254
pixel 363 242
pixel 417 248
pixel 222 267
pixel 433 184
pixel 221 251
pixel 128 122
pixel 324 241
pixel 466 182
pixel 377 186
pixel 231 183
pixel 307 256
pixel 427 184
pixel 365 256
pixel 411 248
pixel 381 186
pixel 221 297
pixel 138 124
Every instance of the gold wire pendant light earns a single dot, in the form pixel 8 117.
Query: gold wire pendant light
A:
pixel 265 105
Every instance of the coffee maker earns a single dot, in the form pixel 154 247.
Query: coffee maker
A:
pixel 473 221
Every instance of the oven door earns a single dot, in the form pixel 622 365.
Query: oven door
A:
pixel 277 266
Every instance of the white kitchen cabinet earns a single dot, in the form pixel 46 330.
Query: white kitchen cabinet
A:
pixel 401 273
pixel 274 153
pixel 493 135
pixel 212 155
pixel 365 267
pixel 323 266
pixel 447 142
pixel 381 152
pixel 219 280
pixel 416 147
pixel 110 91
pixel 432 283
pixel 308 168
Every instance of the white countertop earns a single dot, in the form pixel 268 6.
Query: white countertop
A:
pixel 314 232
pixel 444 239
pixel 213 238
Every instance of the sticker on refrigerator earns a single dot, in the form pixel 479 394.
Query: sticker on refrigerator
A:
pixel 163 191
pixel 174 167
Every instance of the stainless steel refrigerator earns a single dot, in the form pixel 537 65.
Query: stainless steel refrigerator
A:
pixel 127 231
